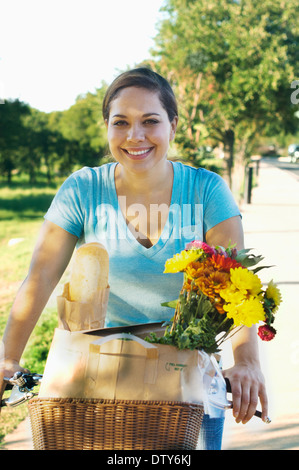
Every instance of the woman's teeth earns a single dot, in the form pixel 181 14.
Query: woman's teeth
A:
pixel 139 152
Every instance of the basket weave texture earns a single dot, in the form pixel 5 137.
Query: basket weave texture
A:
pixel 87 424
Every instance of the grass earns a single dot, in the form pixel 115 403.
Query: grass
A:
pixel 21 214
pixel 24 201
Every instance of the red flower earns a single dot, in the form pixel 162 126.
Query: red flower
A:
pixel 266 332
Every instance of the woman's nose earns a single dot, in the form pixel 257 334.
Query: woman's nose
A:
pixel 135 133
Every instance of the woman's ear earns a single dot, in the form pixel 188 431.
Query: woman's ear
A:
pixel 106 123
pixel 173 127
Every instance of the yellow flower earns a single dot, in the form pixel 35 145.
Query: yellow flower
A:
pixel 233 295
pixel 248 312
pixel 272 292
pixel 180 261
pixel 246 281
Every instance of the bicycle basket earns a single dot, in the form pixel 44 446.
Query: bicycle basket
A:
pixel 89 424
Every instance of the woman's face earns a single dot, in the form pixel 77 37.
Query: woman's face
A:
pixel 139 130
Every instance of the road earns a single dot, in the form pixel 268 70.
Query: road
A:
pixel 283 163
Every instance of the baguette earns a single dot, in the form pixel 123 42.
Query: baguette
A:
pixel 89 273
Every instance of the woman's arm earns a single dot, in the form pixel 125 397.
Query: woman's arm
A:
pixel 50 258
pixel 246 378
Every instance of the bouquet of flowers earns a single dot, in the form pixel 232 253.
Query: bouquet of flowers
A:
pixel 219 294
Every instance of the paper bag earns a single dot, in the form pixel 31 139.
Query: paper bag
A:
pixel 78 316
pixel 124 367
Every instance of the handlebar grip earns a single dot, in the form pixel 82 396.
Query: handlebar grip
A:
pixel 228 387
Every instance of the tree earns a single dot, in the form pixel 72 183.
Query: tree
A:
pixel 83 129
pixel 12 134
pixel 240 58
pixel 60 140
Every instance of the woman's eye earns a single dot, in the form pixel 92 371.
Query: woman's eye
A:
pixel 120 123
pixel 151 121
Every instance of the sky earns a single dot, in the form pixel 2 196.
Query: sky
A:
pixel 51 51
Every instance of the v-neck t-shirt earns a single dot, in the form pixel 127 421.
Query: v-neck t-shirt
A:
pixel 86 205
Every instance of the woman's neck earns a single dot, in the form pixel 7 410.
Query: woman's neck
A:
pixel 153 193
pixel 146 183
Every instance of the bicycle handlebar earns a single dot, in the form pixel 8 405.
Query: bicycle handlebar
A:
pixel 21 385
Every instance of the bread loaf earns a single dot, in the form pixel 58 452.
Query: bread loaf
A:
pixel 89 273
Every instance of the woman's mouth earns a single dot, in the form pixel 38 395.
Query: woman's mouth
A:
pixel 138 154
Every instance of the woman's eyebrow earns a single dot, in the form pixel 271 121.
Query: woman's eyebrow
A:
pixel 151 114
pixel 144 115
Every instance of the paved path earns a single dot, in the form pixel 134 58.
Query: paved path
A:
pixel 271 224
pixel 20 439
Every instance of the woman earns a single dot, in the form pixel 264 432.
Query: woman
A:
pixel 144 209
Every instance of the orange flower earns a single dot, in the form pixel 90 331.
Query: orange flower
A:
pixel 218 304
pixel 213 283
pixel 210 277
pixel 187 286
pixel 224 263
pixel 195 269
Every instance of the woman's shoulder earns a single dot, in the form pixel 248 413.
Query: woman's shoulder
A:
pixel 88 173
pixel 190 172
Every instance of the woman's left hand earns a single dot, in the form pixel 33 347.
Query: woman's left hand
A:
pixel 247 386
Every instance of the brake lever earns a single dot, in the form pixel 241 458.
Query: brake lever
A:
pixel 219 388
pixel 21 385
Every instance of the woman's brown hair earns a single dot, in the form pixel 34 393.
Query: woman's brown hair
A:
pixel 142 77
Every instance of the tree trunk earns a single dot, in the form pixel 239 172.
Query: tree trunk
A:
pixel 229 143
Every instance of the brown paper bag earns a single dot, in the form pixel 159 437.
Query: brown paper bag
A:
pixel 123 366
pixel 78 316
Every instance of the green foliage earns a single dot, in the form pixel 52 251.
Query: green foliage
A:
pixel 83 126
pixel 31 140
pixel 36 353
pixel 11 135
pixel 232 64
pixel 21 219
pixel 195 325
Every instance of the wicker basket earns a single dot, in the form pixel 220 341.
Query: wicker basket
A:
pixel 86 424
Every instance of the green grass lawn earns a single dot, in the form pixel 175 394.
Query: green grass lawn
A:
pixel 21 215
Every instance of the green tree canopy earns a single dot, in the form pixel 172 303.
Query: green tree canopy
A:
pixel 58 141
pixel 232 63
pixel 12 134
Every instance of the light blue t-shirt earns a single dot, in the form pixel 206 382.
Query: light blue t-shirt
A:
pixel 87 206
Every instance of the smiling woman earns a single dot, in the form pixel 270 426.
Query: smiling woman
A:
pixel 140 113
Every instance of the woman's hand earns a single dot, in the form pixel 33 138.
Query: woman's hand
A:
pixel 247 386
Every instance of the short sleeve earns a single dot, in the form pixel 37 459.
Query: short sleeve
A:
pixel 219 203
pixel 66 208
